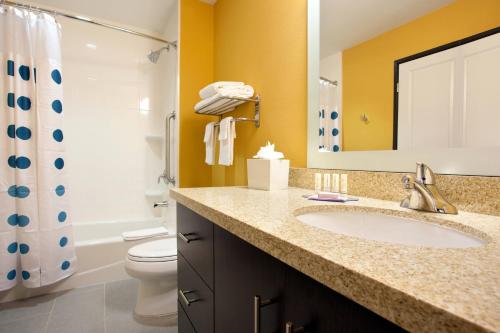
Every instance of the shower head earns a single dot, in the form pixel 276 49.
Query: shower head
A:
pixel 153 56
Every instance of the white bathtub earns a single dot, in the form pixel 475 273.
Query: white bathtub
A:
pixel 101 258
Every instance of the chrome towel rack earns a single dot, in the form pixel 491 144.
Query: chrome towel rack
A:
pixel 228 104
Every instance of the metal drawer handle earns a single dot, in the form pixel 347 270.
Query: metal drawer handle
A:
pixel 185 238
pixel 290 329
pixel 257 305
pixel 188 302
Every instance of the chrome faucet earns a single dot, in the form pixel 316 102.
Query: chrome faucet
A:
pixel 424 193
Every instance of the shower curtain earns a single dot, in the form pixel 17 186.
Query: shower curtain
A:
pixel 36 240
pixel 329 118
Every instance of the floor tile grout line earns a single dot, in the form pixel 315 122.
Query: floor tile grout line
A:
pixel 104 319
pixel 50 315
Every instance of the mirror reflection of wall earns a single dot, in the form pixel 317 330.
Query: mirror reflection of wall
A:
pixel 448 97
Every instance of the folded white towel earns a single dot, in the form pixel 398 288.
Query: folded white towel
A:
pixel 213 88
pixel 227 134
pixel 218 99
pixel 215 102
pixel 144 233
pixel 209 139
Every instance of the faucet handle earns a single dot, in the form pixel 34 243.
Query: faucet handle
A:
pixel 424 174
pixel 408 182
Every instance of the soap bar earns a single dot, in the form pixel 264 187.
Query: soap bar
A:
pixel 338 198
pixel 328 195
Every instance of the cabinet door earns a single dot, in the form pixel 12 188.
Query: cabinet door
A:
pixel 183 323
pixel 195 242
pixel 195 298
pixel 319 309
pixel 242 272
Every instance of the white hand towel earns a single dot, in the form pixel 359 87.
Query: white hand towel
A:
pixel 212 88
pixel 144 233
pixel 209 139
pixel 227 134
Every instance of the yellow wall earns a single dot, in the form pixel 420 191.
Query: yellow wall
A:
pixel 196 70
pixel 368 68
pixel 264 43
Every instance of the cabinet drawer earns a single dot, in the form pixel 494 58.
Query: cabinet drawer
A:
pixel 195 298
pixel 195 236
pixel 183 323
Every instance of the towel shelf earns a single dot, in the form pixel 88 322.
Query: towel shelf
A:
pixel 228 104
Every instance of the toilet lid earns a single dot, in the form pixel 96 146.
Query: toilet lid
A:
pixel 154 251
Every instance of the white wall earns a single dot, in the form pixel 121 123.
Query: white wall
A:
pixel 106 76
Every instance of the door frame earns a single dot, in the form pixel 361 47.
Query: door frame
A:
pixel 426 53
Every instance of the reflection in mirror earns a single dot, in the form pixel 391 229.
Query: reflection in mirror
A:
pixel 409 74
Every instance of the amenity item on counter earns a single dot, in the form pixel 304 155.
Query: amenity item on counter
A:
pixel 335 183
pixel 317 182
pixel 267 170
pixel 326 182
pixel 343 183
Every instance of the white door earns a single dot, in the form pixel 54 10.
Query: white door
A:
pixel 451 99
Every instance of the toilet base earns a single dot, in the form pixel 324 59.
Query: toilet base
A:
pixel 156 298
pixel 164 320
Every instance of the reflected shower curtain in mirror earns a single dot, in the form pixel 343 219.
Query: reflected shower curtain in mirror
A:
pixel 36 237
pixel 329 118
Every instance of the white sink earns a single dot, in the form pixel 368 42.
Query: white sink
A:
pixel 390 229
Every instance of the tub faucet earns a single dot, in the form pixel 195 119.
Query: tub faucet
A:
pixel 160 204
pixel 424 193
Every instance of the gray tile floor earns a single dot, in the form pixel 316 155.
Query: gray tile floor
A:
pixel 104 308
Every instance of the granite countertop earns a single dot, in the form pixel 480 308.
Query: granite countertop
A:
pixel 418 288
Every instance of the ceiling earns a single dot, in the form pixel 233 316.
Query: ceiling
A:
pixel 149 15
pixel 345 23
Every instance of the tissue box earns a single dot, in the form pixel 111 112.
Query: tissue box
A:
pixel 268 174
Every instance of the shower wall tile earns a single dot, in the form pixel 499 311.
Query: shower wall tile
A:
pixel 114 98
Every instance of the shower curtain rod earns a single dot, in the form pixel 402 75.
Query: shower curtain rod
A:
pixel 85 19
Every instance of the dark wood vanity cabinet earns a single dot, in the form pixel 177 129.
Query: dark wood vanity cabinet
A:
pixel 241 273
pixel 223 299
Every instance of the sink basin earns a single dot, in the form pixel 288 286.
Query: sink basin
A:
pixel 390 229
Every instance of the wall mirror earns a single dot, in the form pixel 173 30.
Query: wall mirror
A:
pixel 393 82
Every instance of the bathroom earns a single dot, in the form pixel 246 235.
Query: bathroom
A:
pixel 193 187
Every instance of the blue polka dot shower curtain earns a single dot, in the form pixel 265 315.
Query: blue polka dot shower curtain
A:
pixel 329 118
pixel 36 237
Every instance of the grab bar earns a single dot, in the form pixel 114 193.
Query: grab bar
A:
pixel 166 176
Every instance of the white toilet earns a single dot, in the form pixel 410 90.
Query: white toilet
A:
pixel 154 264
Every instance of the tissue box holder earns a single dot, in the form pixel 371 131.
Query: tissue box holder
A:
pixel 268 174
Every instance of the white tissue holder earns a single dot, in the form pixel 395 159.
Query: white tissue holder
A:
pixel 268 174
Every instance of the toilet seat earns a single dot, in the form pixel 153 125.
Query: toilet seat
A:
pixel 154 251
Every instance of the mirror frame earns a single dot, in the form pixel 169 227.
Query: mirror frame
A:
pixel 457 161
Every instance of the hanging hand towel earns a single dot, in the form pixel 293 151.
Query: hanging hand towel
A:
pixel 209 139
pixel 227 134
pixel 213 88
